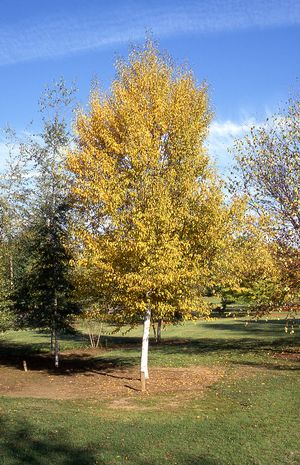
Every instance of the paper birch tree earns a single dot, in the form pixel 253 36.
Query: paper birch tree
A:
pixel 149 200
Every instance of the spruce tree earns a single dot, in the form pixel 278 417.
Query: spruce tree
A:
pixel 43 296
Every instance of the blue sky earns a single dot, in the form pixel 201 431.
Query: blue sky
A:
pixel 248 51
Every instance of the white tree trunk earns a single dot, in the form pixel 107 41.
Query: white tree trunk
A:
pixel 11 271
pixel 52 341
pixel 56 357
pixel 56 348
pixel 145 345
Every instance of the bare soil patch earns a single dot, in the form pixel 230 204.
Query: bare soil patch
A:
pixel 83 378
pixel 295 356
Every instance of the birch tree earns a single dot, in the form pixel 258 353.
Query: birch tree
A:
pixel 149 200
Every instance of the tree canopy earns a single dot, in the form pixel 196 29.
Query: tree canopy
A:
pixel 150 201
pixel 269 161
pixel 269 167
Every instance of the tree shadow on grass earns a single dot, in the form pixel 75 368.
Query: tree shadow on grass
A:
pixel 279 353
pixel 99 362
pixel 257 334
pixel 249 328
pixel 77 360
pixel 13 355
pixel 272 366
pixel 210 345
pixel 22 444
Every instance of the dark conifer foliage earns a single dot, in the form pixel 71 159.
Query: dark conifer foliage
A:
pixel 43 296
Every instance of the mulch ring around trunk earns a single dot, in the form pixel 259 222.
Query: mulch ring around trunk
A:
pixel 82 377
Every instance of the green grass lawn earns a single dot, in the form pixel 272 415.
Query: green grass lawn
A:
pixel 239 420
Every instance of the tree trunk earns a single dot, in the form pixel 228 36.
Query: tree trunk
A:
pixel 56 348
pixel 145 345
pixel 159 325
pixel 11 272
pixel 99 336
pixel 154 332
pixel 52 341
pixel 91 337
pixel 56 356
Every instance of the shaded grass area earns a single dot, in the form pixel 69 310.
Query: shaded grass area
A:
pixel 222 341
pixel 237 422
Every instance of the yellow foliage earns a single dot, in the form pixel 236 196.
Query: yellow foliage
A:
pixel 154 223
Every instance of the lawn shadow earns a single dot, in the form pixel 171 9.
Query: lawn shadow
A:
pixel 71 363
pixel 102 361
pixel 23 444
pixel 269 365
pixel 272 355
pixel 262 328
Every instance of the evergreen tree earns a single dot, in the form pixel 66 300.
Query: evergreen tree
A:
pixel 41 293
pixel 43 296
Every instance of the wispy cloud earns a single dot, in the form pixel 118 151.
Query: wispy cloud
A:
pixel 94 26
pixel 221 138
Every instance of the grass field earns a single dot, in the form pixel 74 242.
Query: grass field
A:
pixel 249 415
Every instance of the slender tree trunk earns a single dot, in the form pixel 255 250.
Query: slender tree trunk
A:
pixel 91 337
pixel 52 340
pixel 99 336
pixel 56 357
pixel 159 325
pixel 11 272
pixel 145 345
pixel 56 348
pixel 154 332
